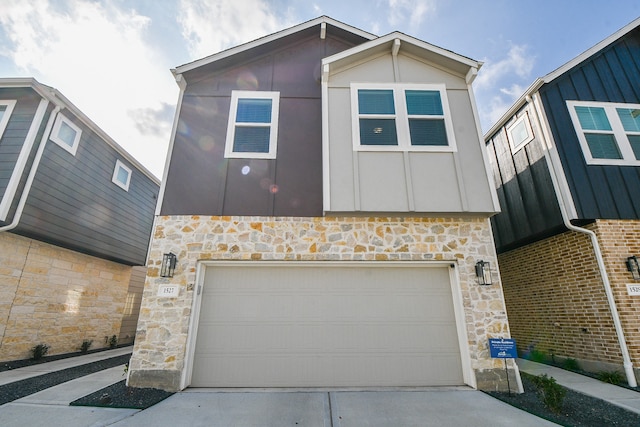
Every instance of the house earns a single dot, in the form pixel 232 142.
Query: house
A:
pixel 76 213
pixel 565 161
pixel 325 205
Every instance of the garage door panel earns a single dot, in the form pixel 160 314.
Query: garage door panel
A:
pixel 326 326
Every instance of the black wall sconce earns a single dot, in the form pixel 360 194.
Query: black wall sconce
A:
pixel 169 262
pixel 483 272
pixel 633 267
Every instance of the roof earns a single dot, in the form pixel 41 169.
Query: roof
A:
pixel 270 38
pixel 561 70
pixel 57 98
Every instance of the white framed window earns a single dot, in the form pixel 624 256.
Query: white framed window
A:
pixel 401 117
pixel 66 134
pixel 6 108
pixel 121 175
pixel 253 125
pixel 520 133
pixel 609 133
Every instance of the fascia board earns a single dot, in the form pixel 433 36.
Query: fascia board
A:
pixel 269 38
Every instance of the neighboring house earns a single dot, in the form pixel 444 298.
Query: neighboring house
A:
pixel 566 162
pixel 76 213
pixel 327 197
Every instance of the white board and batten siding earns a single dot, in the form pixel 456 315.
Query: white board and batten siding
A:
pixel 326 326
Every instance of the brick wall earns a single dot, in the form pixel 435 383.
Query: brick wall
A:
pixel 556 301
pixel 163 326
pixel 57 297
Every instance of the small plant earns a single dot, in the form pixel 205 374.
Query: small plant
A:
pixel 551 393
pixel 113 341
pixel 39 351
pixel 612 377
pixel 571 365
pixel 85 345
pixel 537 356
pixel 126 369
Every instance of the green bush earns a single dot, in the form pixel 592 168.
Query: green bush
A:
pixel 613 377
pixel 39 351
pixel 537 356
pixel 551 393
pixel 85 345
pixel 571 365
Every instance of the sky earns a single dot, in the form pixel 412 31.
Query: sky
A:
pixel 112 58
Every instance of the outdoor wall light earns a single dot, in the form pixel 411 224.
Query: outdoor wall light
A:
pixel 633 267
pixel 483 272
pixel 169 262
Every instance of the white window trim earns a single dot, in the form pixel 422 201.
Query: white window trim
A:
pixel 516 147
pixel 231 127
pixel 628 158
pixel 10 104
pixel 401 117
pixel 56 128
pixel 114 178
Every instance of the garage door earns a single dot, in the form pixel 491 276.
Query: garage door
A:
pixel 326 326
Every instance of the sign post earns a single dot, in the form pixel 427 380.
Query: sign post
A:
pixel 503 348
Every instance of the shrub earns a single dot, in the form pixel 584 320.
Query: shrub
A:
pixel 39 351
pixel 551 393
pixel 85 345
pixel 571 365
pixel 537 356
pixel 113 341
pixel 613 377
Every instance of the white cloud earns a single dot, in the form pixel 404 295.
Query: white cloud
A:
pixel 212 26
pixel 97 56
pixel 518 62
pixel 410 10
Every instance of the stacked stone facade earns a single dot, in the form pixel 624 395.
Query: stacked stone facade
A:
pixel 54 296
pixel 556 299
pixel 161 341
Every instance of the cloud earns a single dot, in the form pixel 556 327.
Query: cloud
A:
pixel 518 62
pixel 212 26
pixel 413 11
pixel 154 121
pixel 98 57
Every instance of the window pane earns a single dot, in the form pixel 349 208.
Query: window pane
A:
pixel 378 132
pixel 67 134
pixel 428 132
pixel 519 133
pixel 630 119
pixel 424 102
pixel 634 141
pixel 251 140
pixel 593 118
pixel 122 175
pixel 254 111
pixel 375 101
pixel 603 146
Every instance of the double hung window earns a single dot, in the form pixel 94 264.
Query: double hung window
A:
pixel 609 133
pixel 401 117
pixel 252 131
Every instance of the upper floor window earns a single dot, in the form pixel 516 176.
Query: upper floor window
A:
pixel 401 117
pixel 121 175
pixel 6 108
pixel 66 134
pixel 520 133
pixel 609 133
pixel 253 125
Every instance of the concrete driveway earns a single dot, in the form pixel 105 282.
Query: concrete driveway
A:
pixel 425 407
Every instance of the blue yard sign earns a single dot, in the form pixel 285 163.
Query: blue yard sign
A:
pixel 503 348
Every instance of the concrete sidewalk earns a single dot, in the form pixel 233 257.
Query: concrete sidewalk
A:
pixel 620 396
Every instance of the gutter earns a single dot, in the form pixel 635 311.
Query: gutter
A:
pixel 32 173
pixel 628 365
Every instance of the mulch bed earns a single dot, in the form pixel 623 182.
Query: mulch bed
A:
pixel 577 410
pixel 119 395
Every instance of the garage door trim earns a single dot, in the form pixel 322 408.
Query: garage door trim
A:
pixel 202 266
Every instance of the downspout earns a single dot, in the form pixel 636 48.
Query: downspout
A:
pixel 32 173
pixel 628 366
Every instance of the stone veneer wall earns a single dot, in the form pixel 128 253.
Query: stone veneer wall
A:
pixel 57 297
pixel 556 300
pixel 161 338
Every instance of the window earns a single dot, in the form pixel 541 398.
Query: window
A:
pixel 66 134
pixel 121 175
pixel 609 133
pixel 520 133
pixel 6 108
pixel 401 118
pixel 253 125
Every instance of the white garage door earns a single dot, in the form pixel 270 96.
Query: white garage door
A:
pixel 326 326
